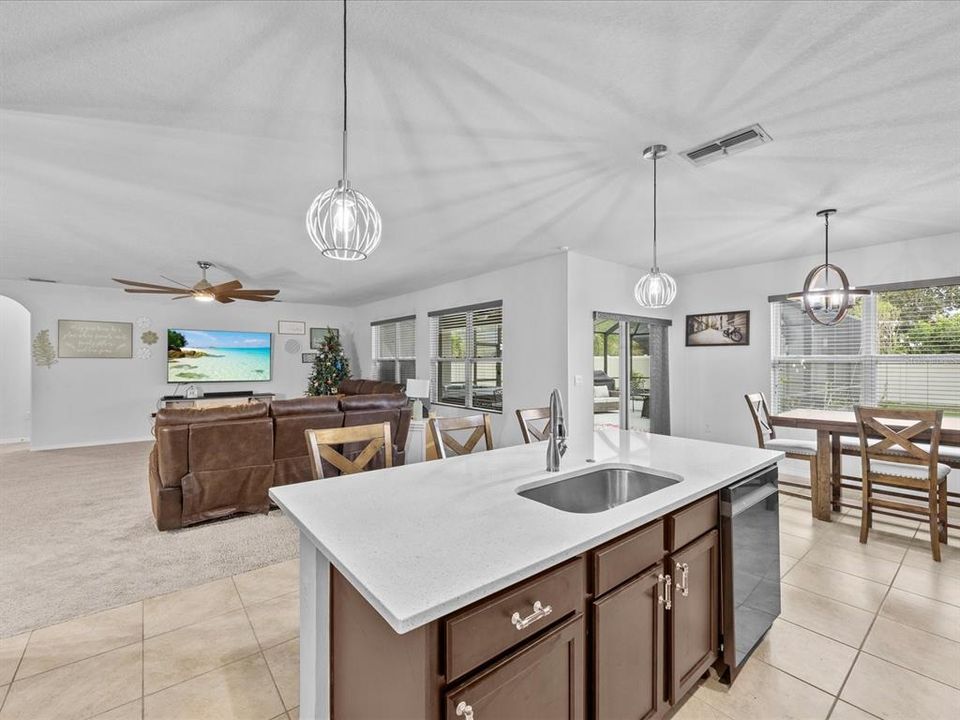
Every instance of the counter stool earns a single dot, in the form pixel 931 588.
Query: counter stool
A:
pixel 441 430
pixel 532 424
pixel 889 457
pixel 324 454
pixel 794 449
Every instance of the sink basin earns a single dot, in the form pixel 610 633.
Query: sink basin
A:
pixel 596 490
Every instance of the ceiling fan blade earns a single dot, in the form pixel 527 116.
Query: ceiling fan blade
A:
pixel 134 283
pixel 224 299
pixel 181 297
pixel 255 292
pixel 177 282
pixel 255 298
pixel 168 291
pixel 226 287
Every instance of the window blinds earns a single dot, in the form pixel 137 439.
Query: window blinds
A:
pixel 466 357
pixel 394 346
pixel 896 348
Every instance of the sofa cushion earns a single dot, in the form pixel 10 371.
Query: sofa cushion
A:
pixel 225 413
pixel 350 386
pixel 305 406
pixel 381 401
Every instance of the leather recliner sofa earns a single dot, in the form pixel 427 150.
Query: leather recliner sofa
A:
pixel 215 462
pixel 369 387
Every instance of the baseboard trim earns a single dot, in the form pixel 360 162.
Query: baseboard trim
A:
pixel 67 446
pixel 13 441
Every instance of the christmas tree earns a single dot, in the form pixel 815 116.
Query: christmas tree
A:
pixel 330 368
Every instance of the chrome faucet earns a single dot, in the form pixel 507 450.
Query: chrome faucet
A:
pixel 557 441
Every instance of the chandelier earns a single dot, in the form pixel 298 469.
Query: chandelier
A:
pixel 822 303
pixel 656 289
pixel 342 222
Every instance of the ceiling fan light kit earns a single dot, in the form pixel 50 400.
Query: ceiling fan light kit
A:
pixel 342 222
pixel 656 289
pixel 823 304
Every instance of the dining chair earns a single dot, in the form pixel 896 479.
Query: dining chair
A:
pixel 531 424
pixel 441 429
pixel 895 460
pixel 794 449
pixel 323 446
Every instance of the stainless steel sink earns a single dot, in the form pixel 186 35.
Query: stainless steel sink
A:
pixel 599 489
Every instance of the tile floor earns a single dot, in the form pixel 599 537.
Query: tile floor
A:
pixel 866 631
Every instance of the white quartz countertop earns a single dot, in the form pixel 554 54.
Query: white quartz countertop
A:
pixel 422 540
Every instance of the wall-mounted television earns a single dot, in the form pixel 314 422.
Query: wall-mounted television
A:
pixel 201 356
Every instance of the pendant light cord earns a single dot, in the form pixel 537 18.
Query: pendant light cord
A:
pixel 655 209
pixel 344 94
pixel 826 251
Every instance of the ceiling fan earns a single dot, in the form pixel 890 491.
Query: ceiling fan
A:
pixel 202 291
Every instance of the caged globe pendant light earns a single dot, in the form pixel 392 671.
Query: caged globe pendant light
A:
pixel 342 222
pixel 656 289
pixel 825 305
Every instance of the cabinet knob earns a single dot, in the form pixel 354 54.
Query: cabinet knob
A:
pixel 664 597
pixel 539 611
pixel 464 711
pixel 682 586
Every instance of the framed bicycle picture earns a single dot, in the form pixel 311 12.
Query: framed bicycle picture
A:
pixel 717 329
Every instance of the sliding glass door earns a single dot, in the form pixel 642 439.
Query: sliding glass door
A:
pixel 630 383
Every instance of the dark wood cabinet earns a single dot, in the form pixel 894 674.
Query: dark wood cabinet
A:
pixel 628 632
pixel 544 680
pixel 693 622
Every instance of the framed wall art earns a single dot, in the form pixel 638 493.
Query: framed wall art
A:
pixel 291 327
pixel 718 329
pixel 94 339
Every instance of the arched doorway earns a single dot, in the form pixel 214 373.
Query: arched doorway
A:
pixel 15 371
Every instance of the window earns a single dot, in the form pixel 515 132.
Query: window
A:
pixel 466 357
pixel 897 347
pixel 394 347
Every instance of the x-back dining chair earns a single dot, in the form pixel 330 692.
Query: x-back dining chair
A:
pixel 323 446
pixel 441 430
pixel 794 449
pixel 895 460
pixel 532 424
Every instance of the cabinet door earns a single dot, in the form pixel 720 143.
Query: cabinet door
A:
pixel 628 651
pixel 693 630
pixel 544 680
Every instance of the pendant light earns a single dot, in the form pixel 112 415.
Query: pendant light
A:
pixel 824 304
pixel 656 289
pixel 342 222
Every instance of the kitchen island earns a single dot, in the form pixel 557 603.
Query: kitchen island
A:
pixel 408 553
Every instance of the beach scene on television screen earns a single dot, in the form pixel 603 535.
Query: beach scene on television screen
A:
pixel 217 355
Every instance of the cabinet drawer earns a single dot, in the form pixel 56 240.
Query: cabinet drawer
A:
pixel 625 557
pixel 483 631
pixel 691 522
pixel 543 680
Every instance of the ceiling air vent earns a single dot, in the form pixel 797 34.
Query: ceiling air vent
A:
pixel 731 143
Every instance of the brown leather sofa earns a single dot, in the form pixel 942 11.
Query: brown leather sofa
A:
pixel 210 463
pixel 369 387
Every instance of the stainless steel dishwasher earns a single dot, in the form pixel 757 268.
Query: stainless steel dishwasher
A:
pixel 750 563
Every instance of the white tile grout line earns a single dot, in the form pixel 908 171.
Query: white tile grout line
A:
pixel 266 662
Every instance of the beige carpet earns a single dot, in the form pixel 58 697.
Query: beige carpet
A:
pixel 77 535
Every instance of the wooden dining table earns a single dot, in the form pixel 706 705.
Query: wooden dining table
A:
pixel 830 426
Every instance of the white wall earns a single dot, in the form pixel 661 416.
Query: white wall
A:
pixel 14 371
pixel 709 382
pixel 94 401
pixel 596 285
pixel 534 333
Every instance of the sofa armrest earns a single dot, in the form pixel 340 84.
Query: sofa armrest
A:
pixel 172 456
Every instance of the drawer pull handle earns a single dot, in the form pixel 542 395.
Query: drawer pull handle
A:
pixel 539 611
pixel 682 586
pixel 664 597
pixel 464 711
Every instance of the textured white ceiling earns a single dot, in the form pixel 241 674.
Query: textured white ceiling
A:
pixel 138 137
